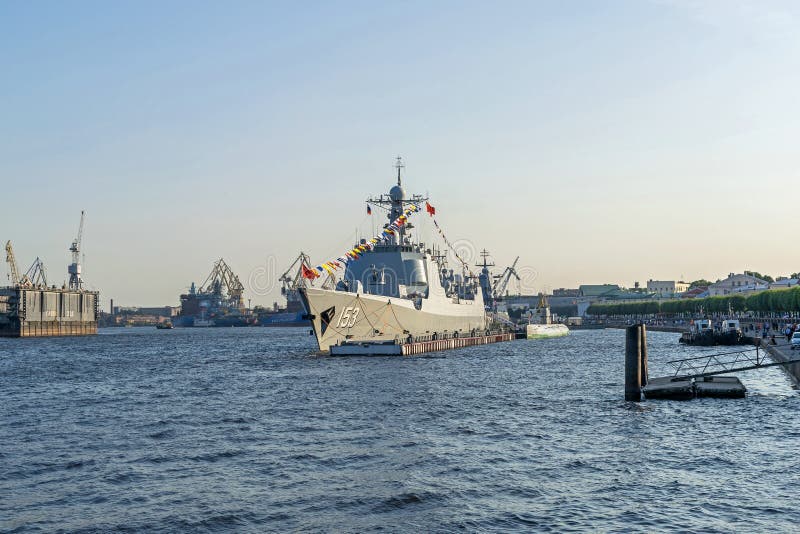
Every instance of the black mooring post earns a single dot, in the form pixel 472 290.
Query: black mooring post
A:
pixel 643 349
pixel 633 363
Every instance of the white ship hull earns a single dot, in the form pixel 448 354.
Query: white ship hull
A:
pixel 542 331
pixel 342 316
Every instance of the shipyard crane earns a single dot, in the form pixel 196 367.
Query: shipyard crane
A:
pixel 12 264
pixel 222 276
pixel 36 275
pixel 74 268
pixel 502 281
pixel 289 282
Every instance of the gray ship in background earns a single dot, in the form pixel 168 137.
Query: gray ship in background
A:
pixel 219 301
pixel 399 290
pixel 30 307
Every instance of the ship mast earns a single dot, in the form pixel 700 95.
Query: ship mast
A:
pixel 398 164
pixel 394 203
pixel 398 195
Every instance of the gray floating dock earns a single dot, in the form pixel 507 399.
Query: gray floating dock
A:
pixel 720 387
pixel 669 388
pixel 677 388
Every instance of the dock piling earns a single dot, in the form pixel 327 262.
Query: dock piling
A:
pixel 633 363
pixel 645 373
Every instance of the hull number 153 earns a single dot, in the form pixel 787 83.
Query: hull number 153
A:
pixel 348 317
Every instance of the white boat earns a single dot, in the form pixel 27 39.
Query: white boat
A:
pixel 541 331
pixel 541 325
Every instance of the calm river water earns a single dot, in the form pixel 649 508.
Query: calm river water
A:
pixel 247 430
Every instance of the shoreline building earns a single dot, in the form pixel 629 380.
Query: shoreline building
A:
pixel 784 283
pixel 737 283
pixel 667 288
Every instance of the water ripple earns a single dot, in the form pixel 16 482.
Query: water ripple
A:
pixel 246 430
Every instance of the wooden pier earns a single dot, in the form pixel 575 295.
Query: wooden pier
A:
pixel 392 348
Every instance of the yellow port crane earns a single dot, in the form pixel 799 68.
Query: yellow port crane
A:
pixel 12 264
pixel 36 275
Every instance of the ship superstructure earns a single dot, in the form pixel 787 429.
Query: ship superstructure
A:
pixel 396 289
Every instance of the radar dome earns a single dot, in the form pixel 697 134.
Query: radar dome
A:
pixel 397 194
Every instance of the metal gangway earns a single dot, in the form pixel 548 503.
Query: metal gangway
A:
pixel 724 363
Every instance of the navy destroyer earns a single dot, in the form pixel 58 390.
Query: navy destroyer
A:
pixel 395 289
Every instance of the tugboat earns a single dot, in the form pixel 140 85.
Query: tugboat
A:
pixel 729 332
pixel 701 333
pixel 166 325
pixel 704 334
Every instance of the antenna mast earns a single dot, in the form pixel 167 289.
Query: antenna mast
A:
pixel 399 165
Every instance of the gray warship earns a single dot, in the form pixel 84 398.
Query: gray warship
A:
pixel 400 290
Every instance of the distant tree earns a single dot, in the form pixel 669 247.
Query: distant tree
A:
pixel 699 283
pixel 764 277
pixel 795 275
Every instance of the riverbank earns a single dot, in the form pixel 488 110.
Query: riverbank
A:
pixel 622 325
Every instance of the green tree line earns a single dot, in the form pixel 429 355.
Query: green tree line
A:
pixel 773 300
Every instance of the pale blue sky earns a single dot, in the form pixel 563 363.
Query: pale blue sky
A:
pixel 600 141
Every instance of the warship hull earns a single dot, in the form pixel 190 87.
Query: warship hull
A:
pixel 293 319
pixel 338 317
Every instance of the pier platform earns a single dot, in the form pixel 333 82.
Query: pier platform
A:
pixel 719 387
pixel 391 348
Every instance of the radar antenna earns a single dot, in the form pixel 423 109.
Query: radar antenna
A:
pixel 398 164
pixel 395 202
pixel 486 257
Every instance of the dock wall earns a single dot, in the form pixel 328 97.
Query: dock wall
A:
pixel 29 312
pixel 410 349
pixel 52 328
